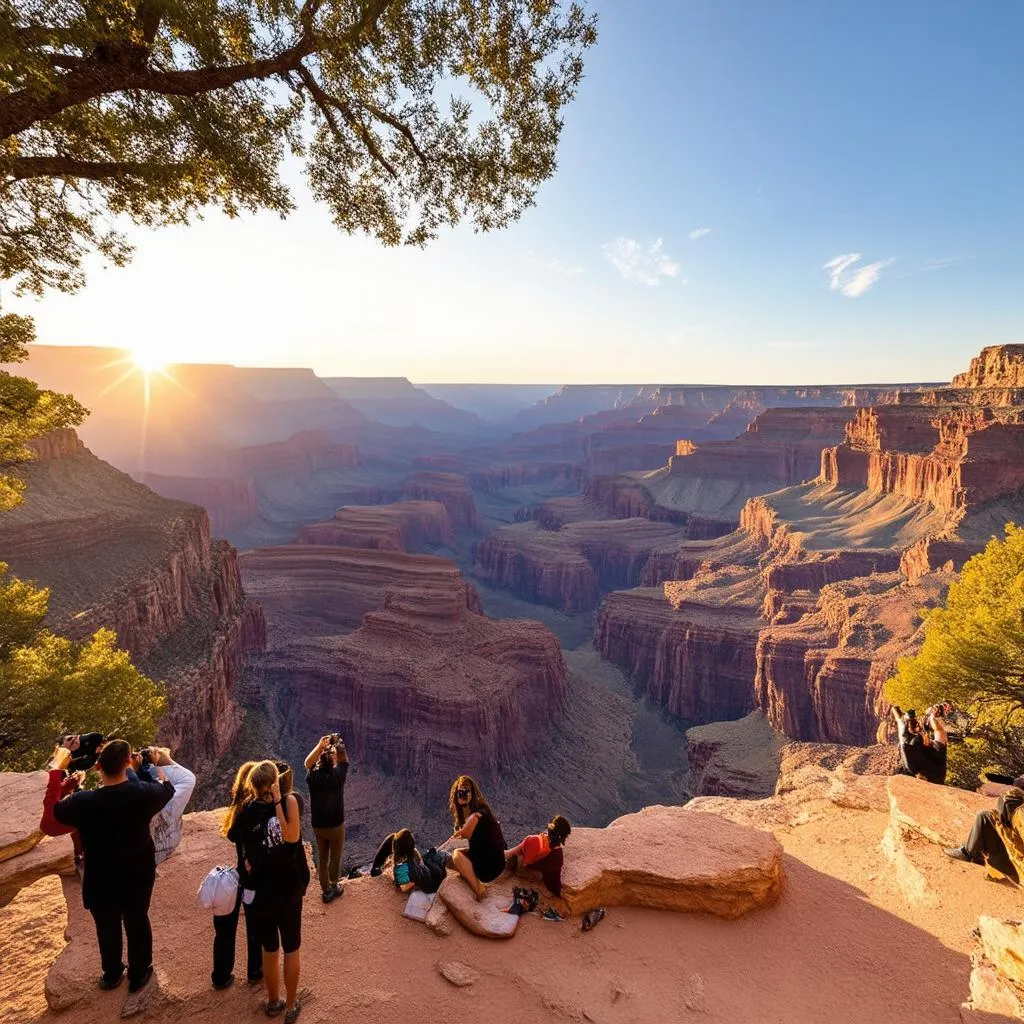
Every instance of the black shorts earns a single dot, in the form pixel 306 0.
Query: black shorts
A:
pixel 284 920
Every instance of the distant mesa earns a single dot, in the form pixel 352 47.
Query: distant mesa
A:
pixel 450 490
pixel 402 526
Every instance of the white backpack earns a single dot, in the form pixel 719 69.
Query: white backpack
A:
pixel 219 890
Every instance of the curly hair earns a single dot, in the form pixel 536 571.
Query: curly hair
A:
pixel 476 801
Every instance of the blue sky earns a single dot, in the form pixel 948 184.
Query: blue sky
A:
pixel 721 154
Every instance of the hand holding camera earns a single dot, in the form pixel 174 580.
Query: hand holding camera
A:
pixel 61 758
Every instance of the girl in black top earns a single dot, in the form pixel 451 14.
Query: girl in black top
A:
pixel 225 926
pixel 279 873
pixel 409 868
pixel 473 819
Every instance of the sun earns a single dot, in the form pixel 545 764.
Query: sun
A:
pixel 148 358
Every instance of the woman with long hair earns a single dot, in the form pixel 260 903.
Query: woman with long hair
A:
pixel 225 926
pixel 279 873
pixel 473 819
pixel 409 868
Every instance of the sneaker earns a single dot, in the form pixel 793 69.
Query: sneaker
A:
pixel 339 891
pixel 226 983
pixel 329 894
pixel 959 853
pixel 136 986
pixel 551 915
pixel 107 983
pixel 256 979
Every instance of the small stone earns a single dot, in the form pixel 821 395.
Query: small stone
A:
pixel 438 919
pixel 457 973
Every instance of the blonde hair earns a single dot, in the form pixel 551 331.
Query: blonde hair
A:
pixel 239 796
pixel 263 775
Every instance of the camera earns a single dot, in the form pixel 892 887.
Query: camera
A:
pixel 335 739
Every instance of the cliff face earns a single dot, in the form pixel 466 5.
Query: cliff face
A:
pixel 403 526
pixel 570 567
pixel 450 490
pixel 230 504
pixel 804 612
pixel 326 591
pixel 427 688
pixel 115 554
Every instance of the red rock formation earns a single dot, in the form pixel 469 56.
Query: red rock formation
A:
pixel 997 366
pixel 115 554
pixel 427 687
pixel 570 567
pixel 230 504
pixel 308 590
pixel 451 490
pixel 404 526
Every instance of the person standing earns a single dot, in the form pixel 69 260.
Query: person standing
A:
pixel 120 859
pixel 271 834
pixel 326 771
pixel 167 825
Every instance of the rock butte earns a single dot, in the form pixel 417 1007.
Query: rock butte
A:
pixel 451 490
pixel 804 611
pixel 403 526
pixel 428 688
pixel 115 554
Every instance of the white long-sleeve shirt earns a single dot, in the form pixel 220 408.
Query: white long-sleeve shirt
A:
pixel 166 826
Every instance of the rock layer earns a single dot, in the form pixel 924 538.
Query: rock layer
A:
pixel 451 490
pixel 403 526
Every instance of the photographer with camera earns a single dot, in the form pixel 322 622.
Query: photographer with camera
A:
pixel 326 771
pixel 166 826
pixel 120 859
pixel 923 744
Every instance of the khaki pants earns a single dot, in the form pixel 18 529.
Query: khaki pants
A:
pixel 330 843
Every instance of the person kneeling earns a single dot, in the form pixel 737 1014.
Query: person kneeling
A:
pixel 409 869
pixel 540 856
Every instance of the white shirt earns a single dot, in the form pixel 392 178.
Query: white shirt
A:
pixel 166 826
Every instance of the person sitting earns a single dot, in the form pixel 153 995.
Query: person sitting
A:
pixel 326 770
pixel 120 859
pixel 409 869
pixel 225 926
pixel 166 826
pixel 540 856
pixel 997 838
pixel 923 746
pixel 474 820
pixel 271 835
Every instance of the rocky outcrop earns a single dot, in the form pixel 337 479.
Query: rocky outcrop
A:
pixel 403 526
pixel 997 366
pixel 451 490
pixel 309 590
pixel 673 859
pixel 428 688
pixel 230 504
pixel 570 567
pixel 997 972
pixel 116 555
pixel 395 401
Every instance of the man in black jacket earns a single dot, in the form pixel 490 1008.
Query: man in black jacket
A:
pixel 120 860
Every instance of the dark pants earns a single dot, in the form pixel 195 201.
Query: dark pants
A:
pixel 225 928
pixel 330 843
pixel 132 911
pixel 985 845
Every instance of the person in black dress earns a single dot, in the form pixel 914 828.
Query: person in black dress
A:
pixel 275 859
pixel 473 819
pixel 120 858
pixel 225 926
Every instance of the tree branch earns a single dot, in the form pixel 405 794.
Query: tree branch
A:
pixel 400 126
pixel 23 167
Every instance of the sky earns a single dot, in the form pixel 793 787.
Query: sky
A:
pixel 786 192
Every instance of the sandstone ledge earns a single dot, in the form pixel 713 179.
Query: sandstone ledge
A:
pixel 672 859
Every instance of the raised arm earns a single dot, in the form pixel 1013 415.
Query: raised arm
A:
pixel 287 811
pixel 314 755
pixel 56 789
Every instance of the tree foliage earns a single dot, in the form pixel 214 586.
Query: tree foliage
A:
pixel 408 114
pixel 26 410
pixel 973 655
pixel 50 685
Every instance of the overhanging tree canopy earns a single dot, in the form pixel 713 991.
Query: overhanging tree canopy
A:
pixel 409 114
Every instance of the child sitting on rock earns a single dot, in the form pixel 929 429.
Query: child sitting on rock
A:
pixel 409 869
pixel 540 856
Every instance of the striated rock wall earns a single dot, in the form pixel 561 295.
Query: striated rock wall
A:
pixel 427 687
pixel 997 366
pixel 230 504
pixel 116 555
pixel 403 526
pixel 450 490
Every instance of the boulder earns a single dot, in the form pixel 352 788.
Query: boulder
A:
pixel 940 814
pixel 457 973
pixel 485 917
pixel 1003 945
pixel 51 856
pixel 671 858
pixel 21 794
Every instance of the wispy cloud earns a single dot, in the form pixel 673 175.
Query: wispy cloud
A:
pixel 560 267
pixel 845 276
pixel 699 233
pixel 636 262
pixel 938 263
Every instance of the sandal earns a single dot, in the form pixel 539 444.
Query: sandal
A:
pixel 591 919
pixel 273 1009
